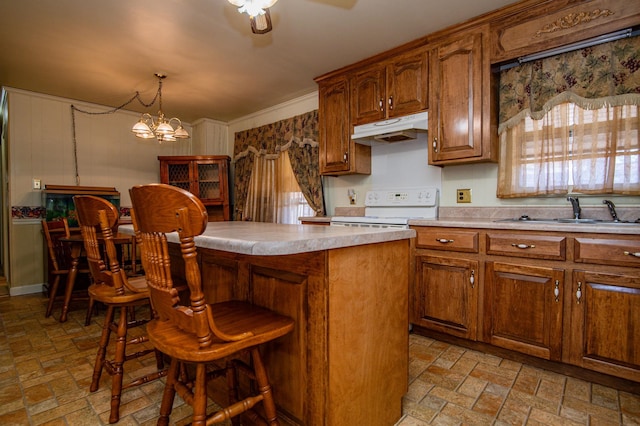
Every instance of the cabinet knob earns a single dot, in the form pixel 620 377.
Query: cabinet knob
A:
pixel 435 144
pixel 556 291
pixel 472 279
pixel 345 157
pixel 381 104
pixel 628 253
pixel 390 102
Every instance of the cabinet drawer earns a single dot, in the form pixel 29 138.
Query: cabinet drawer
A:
pixel 608 251
pixel 447 239
pixel 532 246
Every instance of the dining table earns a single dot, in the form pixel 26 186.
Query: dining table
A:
pixel 76 244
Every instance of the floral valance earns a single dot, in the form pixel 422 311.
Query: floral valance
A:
pixel 299 136
pixel 607 74
pixel 273 138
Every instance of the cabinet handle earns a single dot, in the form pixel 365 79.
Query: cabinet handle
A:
pixel 443 240
pixel 472 279
pixel 345 157
pixel 523 246
pixel 628 253
pixel 435 144
pixel 390 102
pixel 381 104
pixel 579 292
pixel 556 291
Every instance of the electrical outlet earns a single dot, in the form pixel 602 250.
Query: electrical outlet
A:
pixel 351 193
pixel 463 195
pixel 37 184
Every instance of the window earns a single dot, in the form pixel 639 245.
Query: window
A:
pixel 274 194
pixel 570 123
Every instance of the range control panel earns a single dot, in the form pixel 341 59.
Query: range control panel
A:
pixel 406 197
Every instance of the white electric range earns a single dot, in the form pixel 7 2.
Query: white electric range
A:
pixel 393 208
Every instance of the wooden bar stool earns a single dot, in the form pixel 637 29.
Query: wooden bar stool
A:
pixel 201 334
pixel 98 217
pixel 59 260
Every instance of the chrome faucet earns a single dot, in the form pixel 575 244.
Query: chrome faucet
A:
pixel 577 211
pixel 612 210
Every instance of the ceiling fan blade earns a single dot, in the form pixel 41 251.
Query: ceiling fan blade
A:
pixel 344 4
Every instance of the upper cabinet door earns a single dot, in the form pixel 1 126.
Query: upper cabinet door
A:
pixel 460 113
pixel 369 100
pixel 339 155
pixel 407 84
pixel 393 88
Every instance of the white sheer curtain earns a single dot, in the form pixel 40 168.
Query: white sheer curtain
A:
pixel 274 194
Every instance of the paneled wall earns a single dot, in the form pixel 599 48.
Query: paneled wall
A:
pixel 40 146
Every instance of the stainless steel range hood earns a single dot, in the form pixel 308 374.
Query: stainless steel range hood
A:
pixel 392 130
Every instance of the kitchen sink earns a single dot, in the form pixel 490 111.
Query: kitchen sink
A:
pixel 585 221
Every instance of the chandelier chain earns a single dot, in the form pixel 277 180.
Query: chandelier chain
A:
pixel 136 96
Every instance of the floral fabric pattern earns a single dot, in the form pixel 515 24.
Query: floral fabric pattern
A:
pixel 299 136
pixel 607 74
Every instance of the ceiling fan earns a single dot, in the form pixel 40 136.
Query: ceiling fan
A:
pixel 260 17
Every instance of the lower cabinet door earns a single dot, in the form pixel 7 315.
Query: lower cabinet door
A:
pixel 445 295
pixel 605 323
pixel 523 308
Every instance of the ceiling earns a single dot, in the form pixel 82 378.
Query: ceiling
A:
pixel 104 51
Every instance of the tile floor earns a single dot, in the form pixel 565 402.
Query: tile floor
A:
pixel 45 370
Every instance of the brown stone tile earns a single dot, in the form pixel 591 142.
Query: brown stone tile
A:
pixel 411 421
pixel 483 358
pixel 472 387
pixel 442 377
pixel 604 396
pixel 551 391
pixel 17 417
pixel 578 389
pixel 489 404
pixel 59 411
pixel 494 374
pixel 464 366
pixel 526 382
pixel 525 400
pixel 591 409
pixel 417 411
pixel 574 415
pixel 37 393
pixel 630 405
pixel 452 397
pixel 545 418
pixel 466 416
pixel 418 389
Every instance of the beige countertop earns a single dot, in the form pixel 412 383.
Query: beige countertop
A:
pixel 273 239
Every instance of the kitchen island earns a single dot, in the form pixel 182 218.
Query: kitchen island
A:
pixel 346 362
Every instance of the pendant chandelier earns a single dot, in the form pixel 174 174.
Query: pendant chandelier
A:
pixel 258 11
pixel 162 130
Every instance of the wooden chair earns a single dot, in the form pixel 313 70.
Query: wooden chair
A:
pixel 58 257
pixel 200 334
pixel 97 217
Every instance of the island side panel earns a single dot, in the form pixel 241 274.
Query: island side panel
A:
pixel 293 285
pixel 368 333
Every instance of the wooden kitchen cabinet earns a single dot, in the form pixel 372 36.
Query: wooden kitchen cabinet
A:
pixel 605 306
pixel 392 88
pixel 445 289
pixel 445 297
pixel 605 323
pixel 570 297
pixel 462 112
pixel 523 308
pixel 205 176
pixel 339 155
